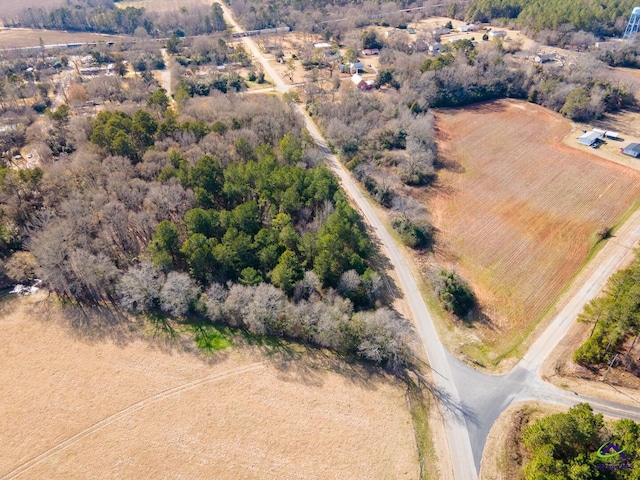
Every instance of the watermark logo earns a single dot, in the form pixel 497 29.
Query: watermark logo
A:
pixel 605 451
pixel 612 451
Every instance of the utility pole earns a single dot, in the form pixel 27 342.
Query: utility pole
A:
pixel 610 365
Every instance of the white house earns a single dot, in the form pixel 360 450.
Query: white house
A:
pixel 497 34
pixel 435 47
pixel 469 27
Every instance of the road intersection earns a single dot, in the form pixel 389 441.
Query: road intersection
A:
pixel 472 400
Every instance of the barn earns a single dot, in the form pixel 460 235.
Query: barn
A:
pixel 633 150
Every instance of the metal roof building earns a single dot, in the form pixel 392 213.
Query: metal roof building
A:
pixel 590 138
pixel 633 150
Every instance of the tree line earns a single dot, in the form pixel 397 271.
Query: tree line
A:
pixel 105 17
pixel 603 18
pixel 615 317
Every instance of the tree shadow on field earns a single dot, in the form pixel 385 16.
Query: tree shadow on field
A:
pixel 477 317
pixel 448 163
pixel 308 365
pixel 415 379
pixel 89 323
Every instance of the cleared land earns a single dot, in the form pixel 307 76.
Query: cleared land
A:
pixel 111 405
pixel 29 37
pixel 518 212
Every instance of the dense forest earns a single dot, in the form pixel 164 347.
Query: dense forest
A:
pixel 606 17
pixel 579 445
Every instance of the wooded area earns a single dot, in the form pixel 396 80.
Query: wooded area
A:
pixel 615 316
pixel 579 445
pixel 222 193
pixel 104 17
pixel 607 17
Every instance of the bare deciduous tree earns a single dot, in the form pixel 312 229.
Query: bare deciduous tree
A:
pixel 178 293
pixel 139 288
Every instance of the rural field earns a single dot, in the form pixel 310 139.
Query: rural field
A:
pixel 517 213
pixel 29 37
pixel 111 405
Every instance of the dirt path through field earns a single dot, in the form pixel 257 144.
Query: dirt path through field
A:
pixel 126 411
pixel 115 404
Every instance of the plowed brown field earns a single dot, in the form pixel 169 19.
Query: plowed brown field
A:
pixel 517 211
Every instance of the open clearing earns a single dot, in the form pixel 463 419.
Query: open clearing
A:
pixel 84 407
pixel 517 213
pixel 29 37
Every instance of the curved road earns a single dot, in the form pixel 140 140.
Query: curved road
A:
pixel 473 400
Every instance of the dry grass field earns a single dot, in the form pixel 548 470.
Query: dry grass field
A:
pixel 8 7
pixel 517 212
pixel 29 37
pixel 114 406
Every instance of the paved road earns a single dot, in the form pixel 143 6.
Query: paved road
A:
pixel 472 400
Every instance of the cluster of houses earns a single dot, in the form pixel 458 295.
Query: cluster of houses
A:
pixel 593 138
pixel 88 67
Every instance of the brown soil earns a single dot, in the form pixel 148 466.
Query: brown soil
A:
pixel 98 401
pixel 517 211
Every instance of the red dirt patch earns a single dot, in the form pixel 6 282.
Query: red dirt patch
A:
pixel 517 211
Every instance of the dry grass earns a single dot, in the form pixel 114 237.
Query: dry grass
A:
pixel 8 8
pixel 112 405
pixel 518 212
pixel 29 37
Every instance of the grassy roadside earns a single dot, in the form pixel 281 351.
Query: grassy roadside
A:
pixel 419 409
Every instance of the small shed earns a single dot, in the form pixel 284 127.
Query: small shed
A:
pixel 435 47
pixel 544 57
pixel 633 150
pixel 590 138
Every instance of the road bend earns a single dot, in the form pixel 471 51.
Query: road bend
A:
pixel 473 400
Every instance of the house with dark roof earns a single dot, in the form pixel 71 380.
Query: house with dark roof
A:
pixel 633 150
